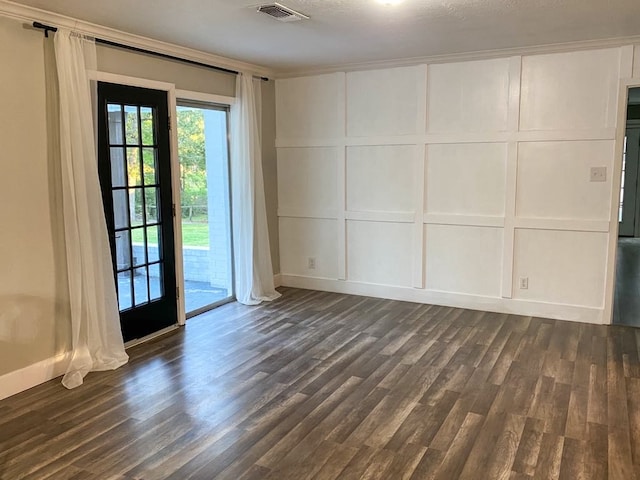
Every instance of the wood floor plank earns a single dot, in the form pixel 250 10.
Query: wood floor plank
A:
pixel 320 385
pixel 526 457
pixel 456 456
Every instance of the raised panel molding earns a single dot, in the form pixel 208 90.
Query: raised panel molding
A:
pixel 561 266
pixel 468 96
pixel 574 90
pixel 466 179
pixel 320 213
pixel 373 216
pixel 381 178
pixel 511 131
pixel 568 225
pixel 476 251
pixel 463 220
pixel 310 107
pixel 452 138
pixel 394 113
pixel 562 168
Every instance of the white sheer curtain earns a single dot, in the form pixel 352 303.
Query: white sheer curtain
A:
pixel 96 338
pixel 252 255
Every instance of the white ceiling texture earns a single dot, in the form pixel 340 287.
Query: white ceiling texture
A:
pixel 342 32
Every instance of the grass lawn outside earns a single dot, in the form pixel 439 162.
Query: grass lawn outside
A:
pixel 193 235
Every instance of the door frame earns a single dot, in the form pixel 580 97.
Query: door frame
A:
pixel 612 250
pixel 170 88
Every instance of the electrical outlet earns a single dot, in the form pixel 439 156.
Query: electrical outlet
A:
pixel 311 263
pixel 598 174
pixel 524 283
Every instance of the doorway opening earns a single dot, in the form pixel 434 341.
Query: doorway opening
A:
pixel 626 308
pixel 203 152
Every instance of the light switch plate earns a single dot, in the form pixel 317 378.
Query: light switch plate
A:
pixel 598 174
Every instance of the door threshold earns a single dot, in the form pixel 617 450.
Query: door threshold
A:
pixel 208 308
pixel 151 336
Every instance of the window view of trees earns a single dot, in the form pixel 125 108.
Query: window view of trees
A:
pixel 193 178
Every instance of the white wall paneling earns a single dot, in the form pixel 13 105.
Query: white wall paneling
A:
pixel 468 97
pixel 561 266
pixel 380 252
pixel 304 238
pixel 466 179
pixel 454 180
pixel 562 224
pixel 341 237
pixel 464 220
pixel 418 226
pixel 476 251
pixel 570 91
pixel 308 180
pixel 554 180
pixel 395 110
pixel 310 107
pixel 381 178
pixel 626 63
pixel 513 120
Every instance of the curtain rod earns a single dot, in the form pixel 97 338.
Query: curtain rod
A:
pixel 49 28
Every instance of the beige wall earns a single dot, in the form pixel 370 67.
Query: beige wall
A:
pixel 183 75
pixel 34 319
pixel 34 323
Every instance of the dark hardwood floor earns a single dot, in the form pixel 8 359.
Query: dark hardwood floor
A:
pixel 321 386
pixel 626 307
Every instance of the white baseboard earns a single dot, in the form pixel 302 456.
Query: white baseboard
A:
pixel 573 313
pixel 277 280
pixel 33 375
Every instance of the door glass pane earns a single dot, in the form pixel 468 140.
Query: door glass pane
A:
pixel 131 124
pixel 117 167
pixel 149 160
pixel 114 113
pixel 153 253
pixel 120 209
pixel 155 283
pixel 139 247
pixel 146 121
pixel 140 285
pixel 206 234
pixel 133 167
pixel 151 199
pixel 135 206
pixel 123 250
pixel 124 290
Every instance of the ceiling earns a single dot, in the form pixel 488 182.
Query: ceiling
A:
pixel 342 32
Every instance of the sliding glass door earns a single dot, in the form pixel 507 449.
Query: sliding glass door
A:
pixel 206 208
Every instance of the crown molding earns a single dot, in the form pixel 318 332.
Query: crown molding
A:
pixel 31 14
pixel 463 57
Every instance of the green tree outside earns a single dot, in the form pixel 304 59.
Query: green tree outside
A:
pixel 193 178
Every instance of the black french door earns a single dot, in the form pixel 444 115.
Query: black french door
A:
pixel 135 176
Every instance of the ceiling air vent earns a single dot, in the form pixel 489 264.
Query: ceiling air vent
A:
pixel 281 13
